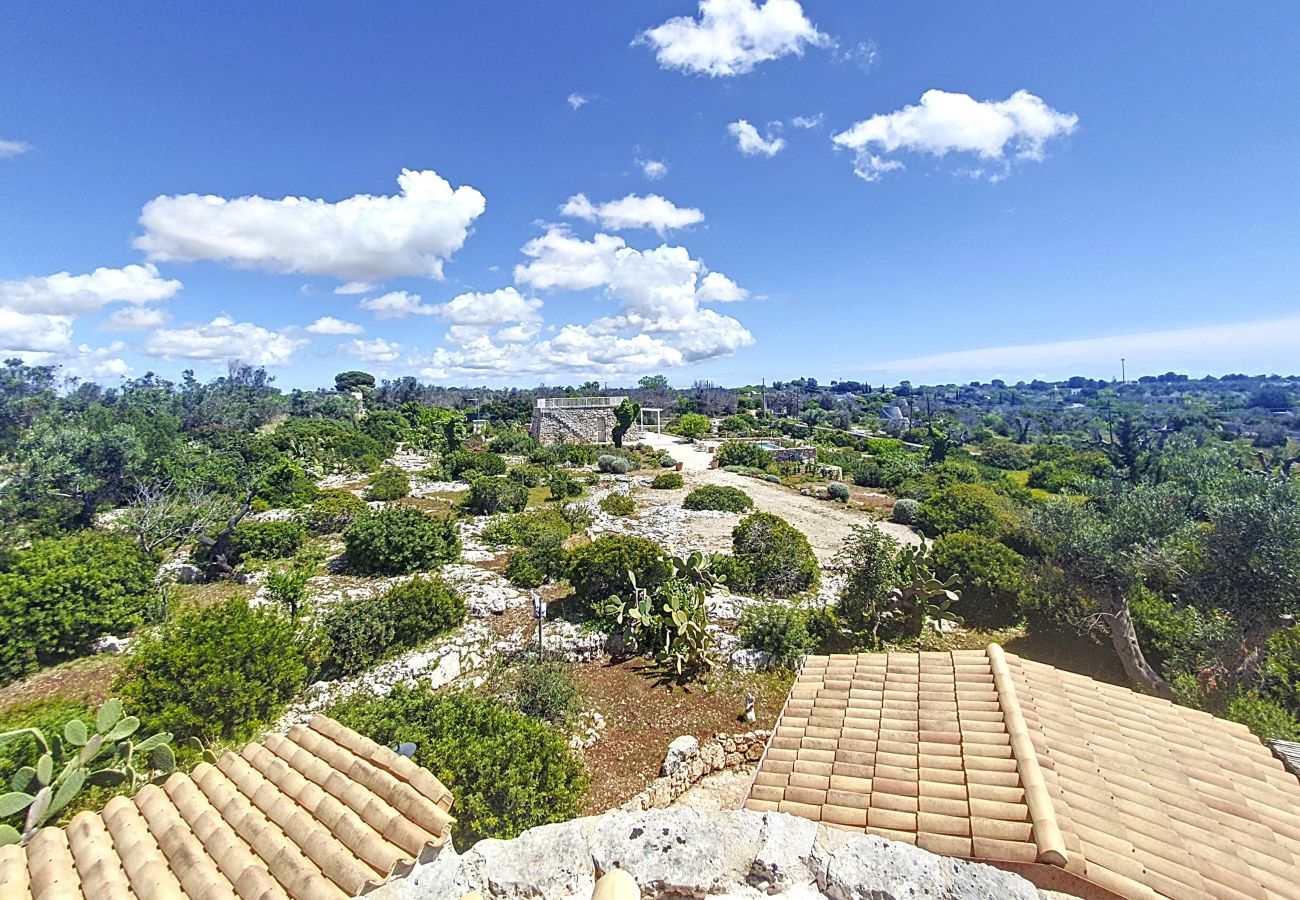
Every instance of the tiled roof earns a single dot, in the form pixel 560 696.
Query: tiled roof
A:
pixel 1076 784
pixel 321 812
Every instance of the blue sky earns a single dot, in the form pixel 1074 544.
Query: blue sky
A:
pixel 970 191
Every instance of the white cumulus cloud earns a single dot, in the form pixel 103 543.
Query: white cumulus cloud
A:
pixel 355 287
pixel 362 238
pixel 576 100
pixel 67 294
pixel 1001 131
pixel 633 211
pixel 398 305
pixel 374 351
pixel 751 143
pixel 808 122
pixel 136 318
pixel 731 37
pixel 13 148
pixel 331 325
pixel 654 169
pixel 34 332
pixel 498 307
pixel 224 339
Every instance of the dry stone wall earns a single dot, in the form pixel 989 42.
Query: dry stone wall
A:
pixel 594 425
pixel 689 759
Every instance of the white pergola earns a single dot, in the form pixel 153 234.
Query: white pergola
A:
pixel 659 428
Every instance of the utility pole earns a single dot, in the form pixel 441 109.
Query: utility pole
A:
pixel 764 383
pixel 1123 373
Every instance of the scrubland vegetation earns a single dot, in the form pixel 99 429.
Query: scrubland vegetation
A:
pixel 1163 538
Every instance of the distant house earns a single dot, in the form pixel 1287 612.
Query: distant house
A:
pixel 1078 785
pixel 589 420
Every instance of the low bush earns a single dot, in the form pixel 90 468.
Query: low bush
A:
pixel 529 527
pixel 1008 456
pixel 693 425
pixel 546 689
pixel 48 715
pixel 744 453
pixel 531 567
pixel 389 483
pixel 966 507
pixel 489 495
pixel 773 558
pixel 400 540
pixel 333 511
pixel 777 629
pixel 60 594
pixel 507 771
pixel 563 485
pixel 462 462
pixel 1268 719
pixel 363 633
pixel 904 512
pixel 668 481
pixel 218 672
pixel 618 505
pixel 869 563
pixel 991 577
pixel 618 465
pixel 266 540
pixel 599 570
pixel 838 490
pixel 577 454
pixel 286 486
pixel 518 443
pixel 718 497
pixel 528 475
pixel 667 462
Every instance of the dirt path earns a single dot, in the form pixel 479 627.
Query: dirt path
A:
pixel 827 524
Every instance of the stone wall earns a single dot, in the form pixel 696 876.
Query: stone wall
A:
pixel 681 853
pixel 689 760
pixel 578 425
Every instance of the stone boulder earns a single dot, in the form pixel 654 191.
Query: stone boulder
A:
pixel 680 853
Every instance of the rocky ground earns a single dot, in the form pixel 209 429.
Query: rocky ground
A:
pixel 681 853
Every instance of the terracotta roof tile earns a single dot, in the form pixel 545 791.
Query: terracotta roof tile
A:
pixel 983 755
pixel 322 814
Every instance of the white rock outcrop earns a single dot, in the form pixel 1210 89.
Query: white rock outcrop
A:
pixel 679 853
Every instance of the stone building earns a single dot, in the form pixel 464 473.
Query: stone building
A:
pixel 558 420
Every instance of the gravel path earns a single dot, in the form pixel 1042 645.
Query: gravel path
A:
pixel 827 524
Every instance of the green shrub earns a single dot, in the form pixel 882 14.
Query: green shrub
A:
pixel 667 462
pixel 488 496
pixel 1267 718
pixel 508 772
pixel 389 483
pixel 517 443
pixel 774 557
pixel 529 527
pixel 333 511
pixel 546 689
pixel 563 485
pixel 718 497
pixel 531 567
pixel 217 672
pixel 1009 456
pixel 869 564
pixel 991 576
pixel 48 715
pixel 777 629
pixel 618 465
pixel 1281 668
pixel 693 425
pixel 599 570
pixel 528 475
pixel 744 453
pixel 904 512
pixel 60 594
pixel 286 486
pixel 577 454
pixel 266 540
pixel 668 481
pixel 838 490
pixel 618 505
pixel 462 462
pixel 363 633
pixel 966 507
pixel 400 540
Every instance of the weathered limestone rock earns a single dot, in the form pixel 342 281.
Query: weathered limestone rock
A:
pixel 681 853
